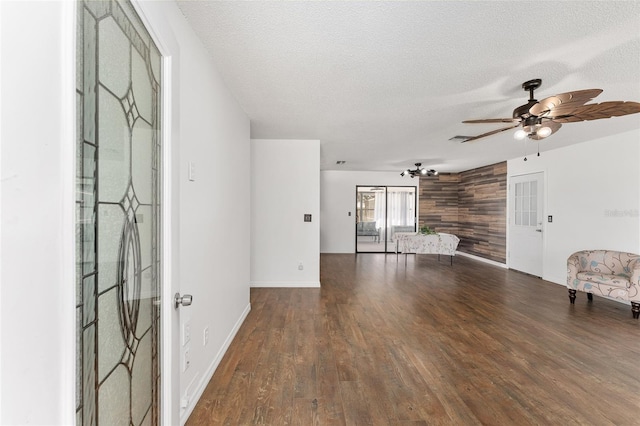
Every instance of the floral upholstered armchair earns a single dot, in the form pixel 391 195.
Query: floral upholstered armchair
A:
pixel 605 273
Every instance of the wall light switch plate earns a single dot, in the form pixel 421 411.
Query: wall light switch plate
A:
pixel 192 171
pixel 186 333
pixel 186 360
pixel 549 218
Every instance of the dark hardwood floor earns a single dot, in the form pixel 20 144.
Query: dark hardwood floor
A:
pixel 429 344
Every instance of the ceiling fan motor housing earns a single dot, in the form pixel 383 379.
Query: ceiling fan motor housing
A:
pixel 523 110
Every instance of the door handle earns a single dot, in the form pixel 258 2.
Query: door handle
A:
pixel 538 230
pixel 182 300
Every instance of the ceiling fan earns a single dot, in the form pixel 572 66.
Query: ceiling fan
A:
pixel 540 119
pixel 419 170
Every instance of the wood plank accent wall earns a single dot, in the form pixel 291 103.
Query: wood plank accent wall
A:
pixel 438 200
pixel 472 205
pixel 482 212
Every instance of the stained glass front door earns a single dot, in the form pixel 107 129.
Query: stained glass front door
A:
pixel 118 217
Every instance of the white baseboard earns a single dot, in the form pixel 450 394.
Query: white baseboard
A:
pixel 204 380
pixel 556 280
pixel 285 284
pixel 482 259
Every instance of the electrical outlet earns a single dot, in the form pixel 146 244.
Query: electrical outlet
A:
pixel 186 333
pixel 186 360
pixel 300 266
pixel 205 336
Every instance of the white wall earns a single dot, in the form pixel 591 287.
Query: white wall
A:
pixel 37 199
pixel 211 212
pixel 338 198
pixel 209 220
pixel 285 185
pixel 592 194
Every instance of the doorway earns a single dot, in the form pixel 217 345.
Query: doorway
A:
pixel 381 211
pixel 526 198
pixel 118 204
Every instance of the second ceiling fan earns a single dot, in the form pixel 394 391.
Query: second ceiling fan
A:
pixel 540 119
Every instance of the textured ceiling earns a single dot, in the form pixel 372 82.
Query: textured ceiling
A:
pixel 383 85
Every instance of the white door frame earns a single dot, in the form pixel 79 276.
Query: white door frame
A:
pixel 544 214
pixel 170 323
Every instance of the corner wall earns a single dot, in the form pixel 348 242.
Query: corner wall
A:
pixel 285 185
pixel 472 205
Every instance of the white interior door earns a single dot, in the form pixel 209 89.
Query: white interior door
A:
pixel 526 223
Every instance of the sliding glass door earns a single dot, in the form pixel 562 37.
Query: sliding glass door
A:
pixel 381 211
pixel 401 213
pixel 371 213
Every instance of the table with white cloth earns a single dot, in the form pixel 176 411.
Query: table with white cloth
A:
pixel 414 243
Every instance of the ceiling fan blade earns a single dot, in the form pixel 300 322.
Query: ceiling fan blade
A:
pixel 598 111
pixel 493 120
pixel 554 126
pixel 550 107
pixel 493 132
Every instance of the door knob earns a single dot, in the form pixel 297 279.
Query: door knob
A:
pixel 182 300
pixel 538 230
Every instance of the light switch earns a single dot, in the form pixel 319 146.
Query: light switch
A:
pixel 192 171
pixel 186 333
pixel 186 360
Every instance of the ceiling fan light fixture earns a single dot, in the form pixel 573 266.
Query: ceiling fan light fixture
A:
pixel 418 171
pixel 543 132
pixel 520 134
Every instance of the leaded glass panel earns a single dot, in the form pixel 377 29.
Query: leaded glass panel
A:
pixel 118 151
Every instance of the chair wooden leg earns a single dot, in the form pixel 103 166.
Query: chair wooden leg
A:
pixel 572 296
pixel 590 297
pixel 635 309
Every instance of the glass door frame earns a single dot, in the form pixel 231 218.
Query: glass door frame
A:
pixel 385 230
